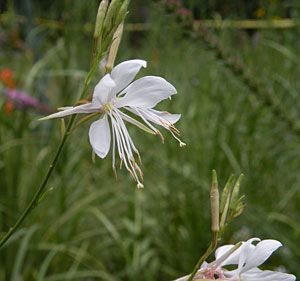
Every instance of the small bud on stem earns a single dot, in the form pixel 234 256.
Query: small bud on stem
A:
pixel 112 14
pixel 122 12
pixel 100 18
pixel 236 189
pixel 226 191
pixel 214 202
pixel 114 48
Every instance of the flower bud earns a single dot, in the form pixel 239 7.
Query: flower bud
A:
pixel 111 15
pixel 214 202
pixel 122 12
pixel 114 48
pixel 226 192
pixel 236 190
pixel 100 18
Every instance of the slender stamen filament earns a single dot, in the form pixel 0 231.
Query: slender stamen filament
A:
pixel 125 147
pixel 124 129
pixel 181 143
pixel 146 114
pixel 113 150
pixel 157 132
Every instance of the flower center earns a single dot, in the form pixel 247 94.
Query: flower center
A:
pixel 107 107
pixel 213 273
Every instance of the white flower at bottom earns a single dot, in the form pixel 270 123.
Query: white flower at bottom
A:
pixel 251 256
pixel 225 255
pixel 247 258
pixel 115 92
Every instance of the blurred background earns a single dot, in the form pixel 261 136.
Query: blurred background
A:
pixel 238 93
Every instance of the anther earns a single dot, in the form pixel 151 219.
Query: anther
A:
pixel 160 135
pixel 182 144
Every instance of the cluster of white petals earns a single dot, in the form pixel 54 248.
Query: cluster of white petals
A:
pixel 115 93
pixel 247 258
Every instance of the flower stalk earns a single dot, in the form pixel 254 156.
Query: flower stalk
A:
pixel 41 190
pixel 207 253
pixel 34 201
pixel 214 204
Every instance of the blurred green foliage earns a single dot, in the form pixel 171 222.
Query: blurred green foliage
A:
pixel 91 226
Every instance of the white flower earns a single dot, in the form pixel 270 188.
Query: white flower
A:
pixel 116 92
pixel 250 257
pixel 225 255
pixel 247 257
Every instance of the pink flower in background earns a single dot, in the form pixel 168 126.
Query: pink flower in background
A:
pixel 23 100
pixel 175 3
pixel 18 99
pixel 184 12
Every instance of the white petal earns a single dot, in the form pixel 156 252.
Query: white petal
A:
pixel 222 250
pixel 203 265
pixel 69 110
pixel 99 135
pixel 256 274
pixel 184 278
pixel 104 90
pixel 232 259
pixel 246 250
pixel 172 118
pixel 124 73
pixel 64 108
pixel 261 253
pixel 231 274
pixel 146 92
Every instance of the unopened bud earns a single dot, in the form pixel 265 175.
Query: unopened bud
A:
pixel 236 190
pixel 226 192
pixel 122 12
pixel 214 202
pixel 114 48
pixel 111 15
pixel 100 18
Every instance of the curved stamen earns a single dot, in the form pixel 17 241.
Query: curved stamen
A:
pixel 138 113
pixel 125 147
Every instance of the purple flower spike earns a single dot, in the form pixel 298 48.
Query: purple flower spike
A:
pixel 22 100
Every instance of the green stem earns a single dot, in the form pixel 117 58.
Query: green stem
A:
pixel 138 220
pixel 207 253
pixel 34 201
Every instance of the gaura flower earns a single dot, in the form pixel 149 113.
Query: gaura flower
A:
pixel 247 258
pixel 224 255
pixel 251 256
pixel 113 96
